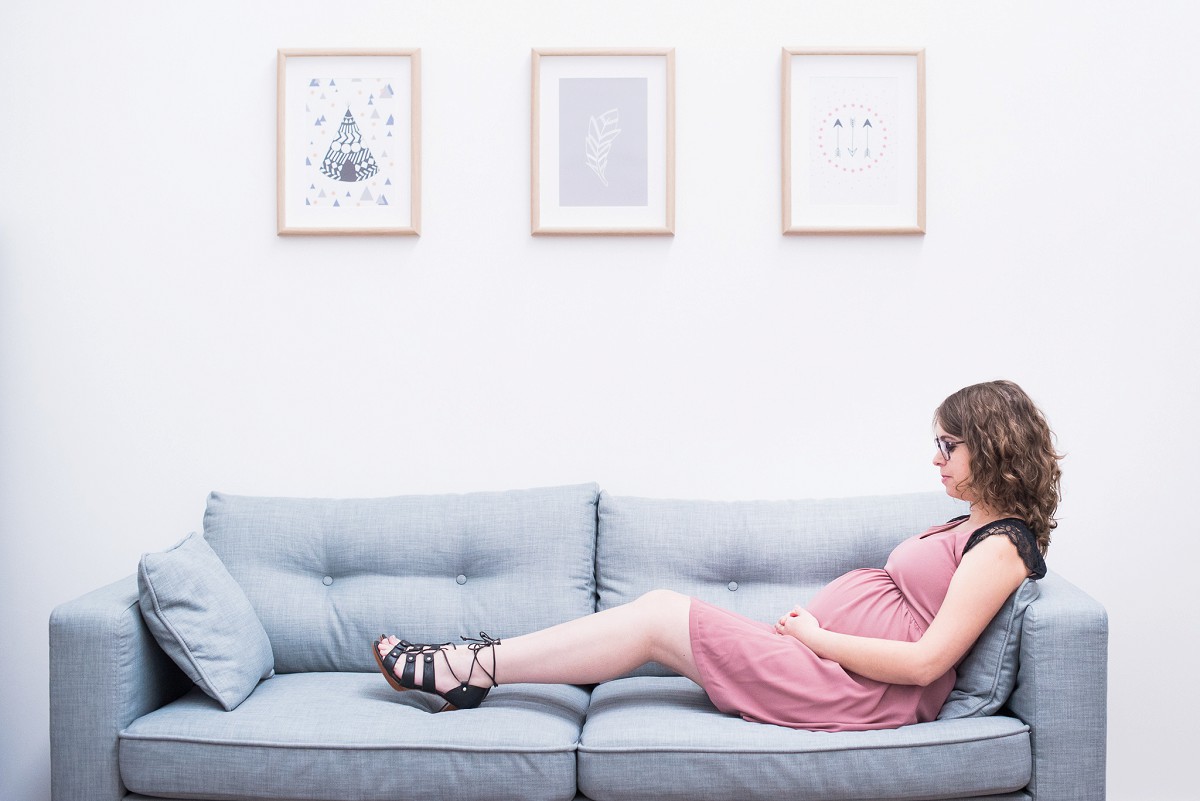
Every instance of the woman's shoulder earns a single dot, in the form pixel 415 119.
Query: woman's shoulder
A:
pixel 1005 525
pixel 1017 532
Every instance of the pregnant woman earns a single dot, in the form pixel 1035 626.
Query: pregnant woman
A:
pixel 876 648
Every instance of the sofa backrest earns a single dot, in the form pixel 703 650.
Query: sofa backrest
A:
pixel 327 576
pixel 757 558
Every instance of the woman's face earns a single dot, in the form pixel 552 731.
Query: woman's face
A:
pixel 955 470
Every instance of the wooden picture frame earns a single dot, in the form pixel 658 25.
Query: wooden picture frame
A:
pixel 853 141
pixel 349 142
pixel 603 142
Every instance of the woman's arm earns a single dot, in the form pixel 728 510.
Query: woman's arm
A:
pixel 987 575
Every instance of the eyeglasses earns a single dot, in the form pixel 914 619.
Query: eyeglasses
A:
pixel 946 446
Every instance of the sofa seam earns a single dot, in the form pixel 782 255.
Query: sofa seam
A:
pixel 808 751
pixel 126 736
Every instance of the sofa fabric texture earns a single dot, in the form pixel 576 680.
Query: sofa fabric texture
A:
pixel 201 618
pixel 756 558
pixel 350 734
pixel 324 577
pixel 664 725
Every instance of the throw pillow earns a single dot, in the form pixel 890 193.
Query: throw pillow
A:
pixel 203 621
pixel 987 676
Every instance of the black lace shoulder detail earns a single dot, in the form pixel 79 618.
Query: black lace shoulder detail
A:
pixel 1020 535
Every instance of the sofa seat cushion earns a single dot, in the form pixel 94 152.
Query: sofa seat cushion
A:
pixel 661 738
pixel 350 736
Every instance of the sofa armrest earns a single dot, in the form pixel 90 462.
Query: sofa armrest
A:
pixel 106 670
pixel 1062 691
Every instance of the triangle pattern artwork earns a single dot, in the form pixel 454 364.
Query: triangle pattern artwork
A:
pixel 366 107
pixel 347 159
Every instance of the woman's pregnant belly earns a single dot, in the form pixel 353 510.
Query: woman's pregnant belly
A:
pixel 866 603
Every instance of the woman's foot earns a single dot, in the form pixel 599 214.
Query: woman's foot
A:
pixel 459 675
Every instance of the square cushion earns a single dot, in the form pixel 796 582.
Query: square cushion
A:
pixel 336 736
pixel 327 576
pixel 201 618
pixel 661 738
pixel 988 674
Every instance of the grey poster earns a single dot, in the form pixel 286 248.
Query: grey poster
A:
pixel 602 142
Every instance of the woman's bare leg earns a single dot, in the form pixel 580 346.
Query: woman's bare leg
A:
pixel 588 650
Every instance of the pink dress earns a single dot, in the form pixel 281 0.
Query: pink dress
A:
pixel 749 669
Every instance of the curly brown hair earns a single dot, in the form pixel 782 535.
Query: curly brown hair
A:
pixel 1014 466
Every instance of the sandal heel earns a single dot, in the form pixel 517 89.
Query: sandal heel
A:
pixel 464 696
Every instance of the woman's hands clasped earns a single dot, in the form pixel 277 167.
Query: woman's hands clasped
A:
pixel 798 623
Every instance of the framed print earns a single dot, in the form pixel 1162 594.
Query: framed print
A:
pixel 603 142
pixel 349 149
pixel 853 141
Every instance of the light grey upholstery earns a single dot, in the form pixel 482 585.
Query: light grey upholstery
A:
pixel 106 671
pixel 305 734
pixel 660 732
pixel 201 618
pixel 1062 691
pixel 126 723
pixel 325 576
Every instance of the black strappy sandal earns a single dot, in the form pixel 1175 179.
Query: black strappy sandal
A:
pixel 464 696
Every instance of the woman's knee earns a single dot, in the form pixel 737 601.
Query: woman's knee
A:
pixel 662 599
pixel 663 612
pixel 666 615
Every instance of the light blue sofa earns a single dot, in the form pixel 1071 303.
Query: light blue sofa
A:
pixel 325 576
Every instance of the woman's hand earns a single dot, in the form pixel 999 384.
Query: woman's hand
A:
pixel 798 623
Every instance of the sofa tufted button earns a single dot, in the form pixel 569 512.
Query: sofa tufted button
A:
pixel 461 579
pixel 327 580
pixel 732 586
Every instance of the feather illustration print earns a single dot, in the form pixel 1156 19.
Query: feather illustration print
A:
pixel 602 131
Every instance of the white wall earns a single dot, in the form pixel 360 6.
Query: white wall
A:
pixel 158 340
